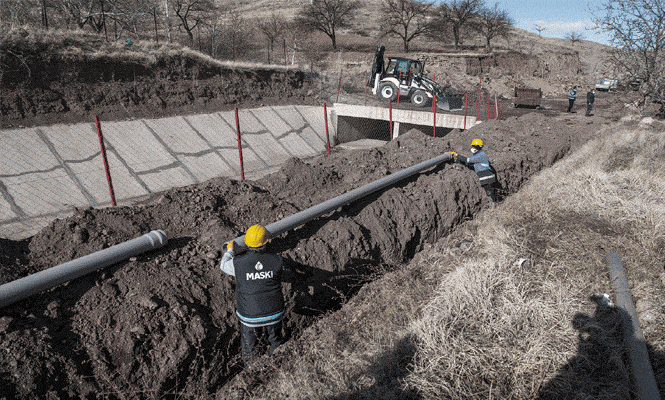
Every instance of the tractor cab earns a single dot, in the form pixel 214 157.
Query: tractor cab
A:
pixel 403 69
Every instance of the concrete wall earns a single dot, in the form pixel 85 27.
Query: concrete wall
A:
pixel 47 171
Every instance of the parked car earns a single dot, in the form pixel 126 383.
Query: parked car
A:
pixel 635 84
pixel 606 84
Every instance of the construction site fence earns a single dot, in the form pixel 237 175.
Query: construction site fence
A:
pixel 331 89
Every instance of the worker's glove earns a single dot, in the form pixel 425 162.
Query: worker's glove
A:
pixel 230 245
pixel 453 154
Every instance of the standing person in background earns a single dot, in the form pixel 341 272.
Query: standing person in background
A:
pixel 572 95
pixel 480 163
pixel 590 98
pixel 259 300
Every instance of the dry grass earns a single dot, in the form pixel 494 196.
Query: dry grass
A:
pixel 83 45
pixel 497 330
pixel 464 321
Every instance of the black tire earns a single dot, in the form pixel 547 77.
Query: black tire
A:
pixel 388 91
pixel 419 98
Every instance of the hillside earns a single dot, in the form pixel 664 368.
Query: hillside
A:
pixel 417 291
pixel 64 76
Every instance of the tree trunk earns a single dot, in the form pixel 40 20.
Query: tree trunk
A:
pixel 456 35
pixel 44 16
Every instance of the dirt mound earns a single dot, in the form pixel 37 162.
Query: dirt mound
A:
pixel 42 87
pixel 162 324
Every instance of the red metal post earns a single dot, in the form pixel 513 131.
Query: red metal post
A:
pixel 434 107
pixel 286 54
pixel 398 90
pixel 390 113
pixel 466 103
pixel 106 163
pixel 242 166
pixel 478 99
pixel 339 85
pixel 325 117
pixel 496 106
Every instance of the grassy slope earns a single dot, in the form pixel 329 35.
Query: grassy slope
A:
pixel 464 321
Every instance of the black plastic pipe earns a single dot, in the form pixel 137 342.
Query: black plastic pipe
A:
pixel 642 373
pixel 27 286
pixel 304 216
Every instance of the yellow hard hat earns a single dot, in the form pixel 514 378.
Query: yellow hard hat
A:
pixel 477 142
pixel 256 236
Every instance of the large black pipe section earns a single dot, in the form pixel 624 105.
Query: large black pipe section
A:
pixel 300 218
pixel 643 378
pixel 27 286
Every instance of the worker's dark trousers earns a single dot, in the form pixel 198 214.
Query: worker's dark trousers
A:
pixel 589 108
pixel 491 193
pixel 248 339
pixel 570 104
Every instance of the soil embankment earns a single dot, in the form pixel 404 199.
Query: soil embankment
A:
pixel 164 322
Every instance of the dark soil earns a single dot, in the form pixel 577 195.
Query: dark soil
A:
pixel 162 324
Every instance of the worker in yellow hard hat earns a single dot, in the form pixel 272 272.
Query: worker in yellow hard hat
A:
pixel 259 300
pixel 480 163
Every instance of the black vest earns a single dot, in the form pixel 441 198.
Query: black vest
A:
pixel 258 284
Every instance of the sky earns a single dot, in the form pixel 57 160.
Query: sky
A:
pixel 558 16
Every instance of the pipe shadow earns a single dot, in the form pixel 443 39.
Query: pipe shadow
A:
pixel 601 367
pixel 387 371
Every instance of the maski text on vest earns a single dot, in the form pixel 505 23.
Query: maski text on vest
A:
pixel 259 275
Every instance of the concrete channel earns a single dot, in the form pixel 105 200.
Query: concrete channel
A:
pixel 48 171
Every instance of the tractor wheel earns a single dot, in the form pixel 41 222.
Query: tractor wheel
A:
pixel 419 98
pixel 388 91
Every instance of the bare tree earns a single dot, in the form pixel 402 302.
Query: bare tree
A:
pixel 327 16
pixel 457 14
pixel 78 12
pixel 16 12
pixel 272 27
pixel 407 19
pixel 193 13
pixel 130 15
pixel 637 31
pixel 574 36
pixel 492 23
pixel 539 28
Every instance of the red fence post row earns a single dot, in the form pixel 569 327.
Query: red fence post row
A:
pixel 242 166
pixel 106 163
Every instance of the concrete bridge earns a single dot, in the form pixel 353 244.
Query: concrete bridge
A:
pixel 354 122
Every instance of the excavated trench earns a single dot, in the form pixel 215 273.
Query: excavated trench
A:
pixel 162 324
